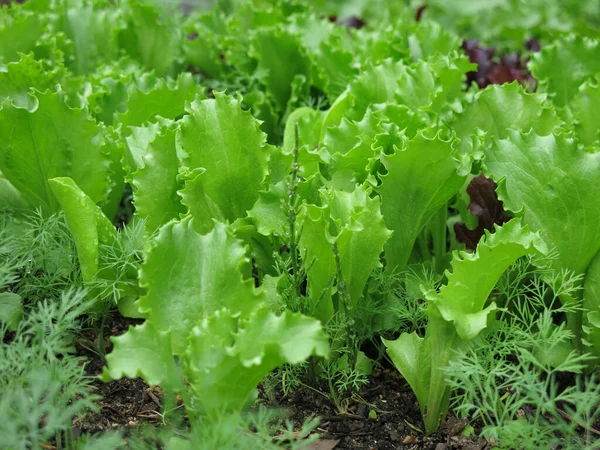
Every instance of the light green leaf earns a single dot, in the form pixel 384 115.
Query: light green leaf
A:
pixel 411 355
pixel 587 113
pixel 228 144
pixel 591 303
pixel 150 36
pixel 93 30
pixel 474 275
pixel 375 84
pixel 155 184
pixel 143 351
pixel 51 141
pixel 353 221
pixel 188 275
pixel 164 98
pixel 20 77
pixel 431 85
pixel 555 184
pixel 499 108
pixel 271 46
pixel 226 360
pixel 563 66
pixel 11 310
pixel 10 198
pixel 138 141
pixel 422 177
pixel 19 34
pixel 87 223
pixel 268 213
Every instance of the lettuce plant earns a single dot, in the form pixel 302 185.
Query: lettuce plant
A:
pixel 208 335
pixel 457 314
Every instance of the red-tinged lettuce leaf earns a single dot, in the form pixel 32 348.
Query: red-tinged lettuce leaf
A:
pixel 354 222
pixel 474 275
pixel 561 68
pixel 87 223
pixel 188 276
pixel 229 153
pixel 421 177
pixel 554 184
pixel 143 351
pixel 226 359
pixel 486 207
pixel 155 185
pixel 497 109
pixel 165 98
pixel 51 141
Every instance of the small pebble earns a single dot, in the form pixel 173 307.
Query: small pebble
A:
pixel 441 446
pixel 394 436
pixel 409 440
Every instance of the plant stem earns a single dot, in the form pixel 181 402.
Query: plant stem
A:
pixel 292 215
pixel 438 232
pixel 346 303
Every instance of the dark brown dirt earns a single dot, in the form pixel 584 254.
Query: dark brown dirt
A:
pixel 384 415
pixel 124 403
pixel 395 421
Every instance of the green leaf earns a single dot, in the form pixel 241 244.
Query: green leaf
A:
pixel 554 183
pixel 430 86
pixel 11 310
pixel 591 303
pixel 500 108
pixel 51 141
pixel 151 36
pixel 203 50
pixel 422 177
pixel 10 198
pixel 563 66
pixel 271 46
pixel 375 84
pixel 21 76
pixel 87 223
pixel 226 360
pixel 228 145
pixel 354 222
pixel 352 145
pixel 587 115
pixel 474 275
pixel 411 355
pixel 19 34
pixel 268 214
pixel 164 98
pixel 155 185
pixel 188 275
pixel 93 29
pixel 143 351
